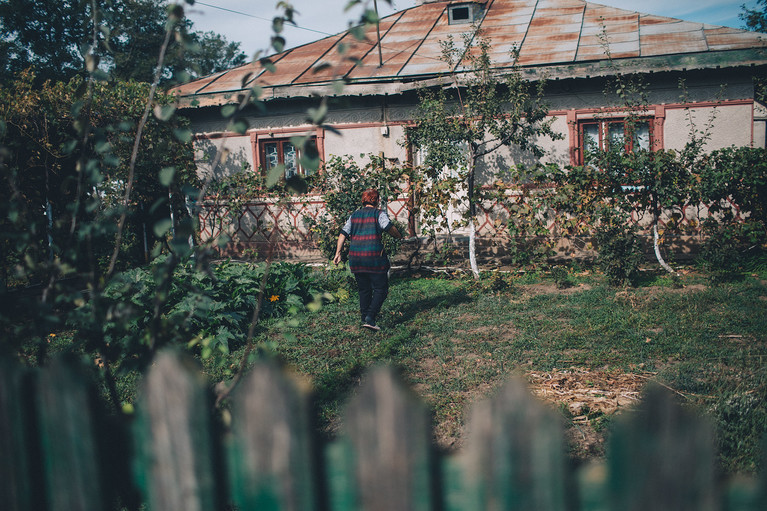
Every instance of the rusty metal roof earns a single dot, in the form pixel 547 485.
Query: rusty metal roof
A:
pixel 558 36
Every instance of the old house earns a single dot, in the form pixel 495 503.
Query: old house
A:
pixel 573 44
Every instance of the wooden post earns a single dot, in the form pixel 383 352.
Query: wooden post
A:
pixel 69 442
pixel 174 465
pixel 662 458
pixel 271 461
pixel 16 446
pixel 514 457
pixel 389 447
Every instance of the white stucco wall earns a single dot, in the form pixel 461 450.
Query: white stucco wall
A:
pixel 239 156
pixel 727 125
pixel 355 141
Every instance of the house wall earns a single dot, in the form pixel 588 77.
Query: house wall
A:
pixel 726 125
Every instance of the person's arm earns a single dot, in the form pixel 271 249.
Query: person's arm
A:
pixel 394 232
pixel 339 247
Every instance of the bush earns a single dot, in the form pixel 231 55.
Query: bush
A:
pixel 620 252
pixel 344 182
pixel 208 310
pixel 731 249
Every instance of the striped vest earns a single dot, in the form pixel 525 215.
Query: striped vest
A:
pixel 366 250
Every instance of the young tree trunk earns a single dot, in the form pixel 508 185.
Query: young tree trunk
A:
pixel 472 213
pixel 656 247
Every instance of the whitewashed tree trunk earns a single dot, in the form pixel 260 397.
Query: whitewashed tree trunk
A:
pixel 656 247
pixel 473 249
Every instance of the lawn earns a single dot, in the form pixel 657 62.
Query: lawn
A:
pixel 584 347
pixel 588 349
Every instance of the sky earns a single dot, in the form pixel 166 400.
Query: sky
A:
pixel 249 22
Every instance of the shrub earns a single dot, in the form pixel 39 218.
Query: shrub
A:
pixel 620 252
pixel 344 182
pixel 731 249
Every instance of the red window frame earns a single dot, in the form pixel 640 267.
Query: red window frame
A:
pixel 604 130
pixel 282 146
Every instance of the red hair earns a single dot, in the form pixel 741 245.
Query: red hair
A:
pixel 370 197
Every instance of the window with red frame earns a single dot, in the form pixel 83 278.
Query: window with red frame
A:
pixel 603 133
pixel 281 151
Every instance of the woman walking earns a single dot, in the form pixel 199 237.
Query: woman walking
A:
pixel 367 258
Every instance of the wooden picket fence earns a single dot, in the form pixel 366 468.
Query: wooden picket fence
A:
pixel 59 452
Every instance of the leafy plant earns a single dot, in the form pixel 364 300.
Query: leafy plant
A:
pixel 486 113
pixel 620 251
pixel 342 184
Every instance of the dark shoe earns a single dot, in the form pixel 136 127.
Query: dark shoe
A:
pixel 371 326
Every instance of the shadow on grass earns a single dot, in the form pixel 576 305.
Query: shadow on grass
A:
pixel 333 388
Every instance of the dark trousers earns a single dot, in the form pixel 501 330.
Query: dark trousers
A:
pixel 373 289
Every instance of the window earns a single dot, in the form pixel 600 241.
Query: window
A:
pixel 605 133
pixel 281 151
pixel 462 13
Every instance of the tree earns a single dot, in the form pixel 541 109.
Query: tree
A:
pixel 487 112
pixel 755 19
pixel 53 37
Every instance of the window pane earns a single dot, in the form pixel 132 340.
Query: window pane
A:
pixel 271 150
pixel 590 137
pixel 642 135
pixel 290 160
pixel 310 153
pixel 616 134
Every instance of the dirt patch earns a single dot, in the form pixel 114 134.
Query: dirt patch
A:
pixel 546 288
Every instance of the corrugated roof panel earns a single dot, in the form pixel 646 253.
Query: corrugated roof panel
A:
pixel 724 38
pixel 663 36
pixel 336 64
pixel 300 61
pixel 400 37
pixel 197 85
pixel 428 57
pixel 549 32
pixel 505 24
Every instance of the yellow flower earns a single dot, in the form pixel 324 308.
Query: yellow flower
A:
pixel 274 298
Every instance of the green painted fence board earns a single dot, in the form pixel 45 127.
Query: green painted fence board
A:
pixel 271 454
pixel 390 437
pixel 69 440
pixel 515 454
pixel 174 464
pixel 53 455
pixel 16 449
pixel 662 458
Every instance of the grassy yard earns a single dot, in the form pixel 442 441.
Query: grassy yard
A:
pixel 588 349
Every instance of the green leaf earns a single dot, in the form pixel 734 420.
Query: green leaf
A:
pixel 239 126
pixel 228 110
pixel 274 175
pixel 183 135
pixel 164 112
pixel 278 43
pixel 166 175
pixel 268 64
pixel 358 32
pixel 162 227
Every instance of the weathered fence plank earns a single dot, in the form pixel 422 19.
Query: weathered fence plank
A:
pixel 271 454
pixel 53 455
pixel 174 466
pixel 514 455
pixel 389 438
pixel 69 440
pixel 16 448
pixel 662 458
